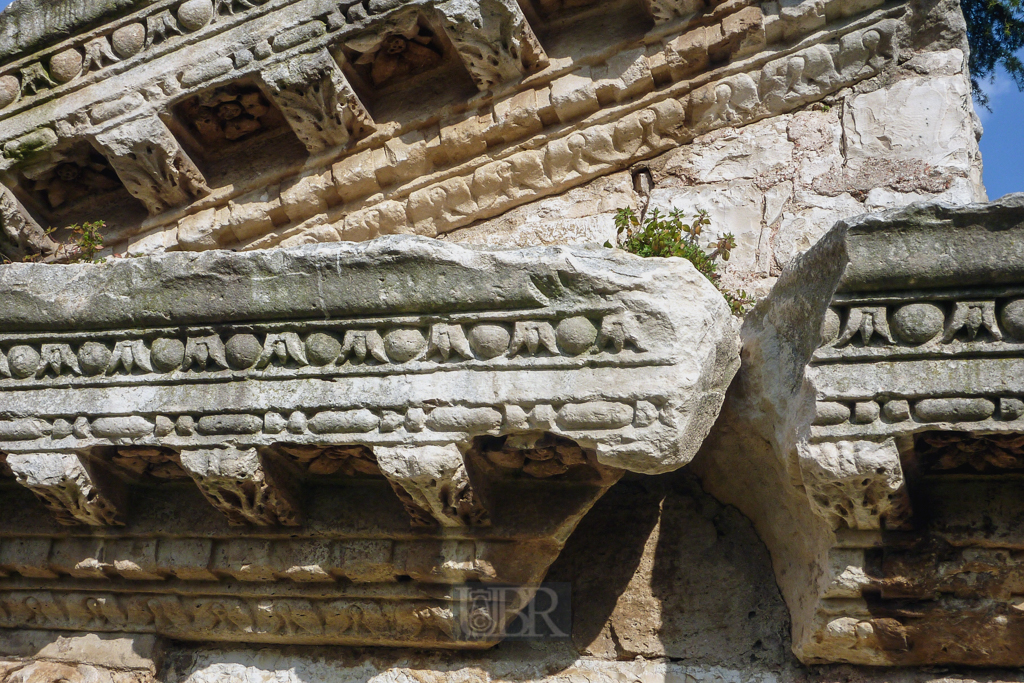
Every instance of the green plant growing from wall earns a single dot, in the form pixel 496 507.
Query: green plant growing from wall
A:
pixel 85 240
pixel 81 246
pixel 659 235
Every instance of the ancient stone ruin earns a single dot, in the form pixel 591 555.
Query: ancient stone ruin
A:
pixel 356 356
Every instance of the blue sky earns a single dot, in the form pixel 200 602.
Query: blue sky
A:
pixel 1002 145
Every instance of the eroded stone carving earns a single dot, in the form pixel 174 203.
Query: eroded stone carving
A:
pixel 665 11
pixel 317 101
pixel 20 235
pixel 493 38
pixel 433 484
pixel 242 485
pixel 152 165
pixel 73 493
pixel 98 54
pixel 854 483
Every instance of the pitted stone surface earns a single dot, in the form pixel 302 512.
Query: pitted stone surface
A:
pixel 887 428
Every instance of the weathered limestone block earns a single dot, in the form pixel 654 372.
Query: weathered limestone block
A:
pixel 873 382
pixel 581 215
pixel 493 38
pixel 677 351
pixel 433 484
pixel 152 165
pixel 20 235
pixel 73 492
pixel 936 131
pixel 241 485
pixel 317 100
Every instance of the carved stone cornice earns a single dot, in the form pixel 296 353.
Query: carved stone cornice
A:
pixel 651 99
pixel 347 430
pixel 889 385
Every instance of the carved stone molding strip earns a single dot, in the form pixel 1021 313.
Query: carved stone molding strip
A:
pixel 441 202
pixel 355 566
pixel 947 325
pixel 404 344
pixel 279 620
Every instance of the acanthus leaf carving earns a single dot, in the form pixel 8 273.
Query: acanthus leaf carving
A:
pixel 665 11
pixel 283 347
pixel 160 27
pixel 866 321
pixel 317 101
pixel 433 484
pixel 217 616
pixel 223 8
pixel 361 343
pixel 493 38
pixel 55 357
pixel 201 350
pixel 972 316
pixel 20 235
pixel 620 329
pixel 855 483
pixel 34 78
pixel 98 54
pixel 445 338
pixel 152 165
pixel 127 354
pixel 74 493
pixel 533 335
pixel 242 485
